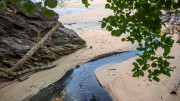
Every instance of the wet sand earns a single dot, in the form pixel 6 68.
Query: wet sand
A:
pixel 99 41
pixel 116 79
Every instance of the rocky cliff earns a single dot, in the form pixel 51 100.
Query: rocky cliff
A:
pixel 20 32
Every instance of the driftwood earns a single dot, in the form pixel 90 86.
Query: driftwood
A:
pixel 33 69
pixel 28 55
pixel 20 74
pixel 174 90
pixel 35 48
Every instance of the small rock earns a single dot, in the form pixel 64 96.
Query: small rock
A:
pixel 112 69
pixel 23 78
pixel 111 74
pixel 166 31
pixel 19 41
pixel 178 41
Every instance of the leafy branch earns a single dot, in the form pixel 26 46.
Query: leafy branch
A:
pixel 141 18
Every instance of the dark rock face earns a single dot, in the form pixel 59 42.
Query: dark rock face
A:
pixel 20 32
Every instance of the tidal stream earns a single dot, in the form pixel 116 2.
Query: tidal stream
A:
pixel 80 83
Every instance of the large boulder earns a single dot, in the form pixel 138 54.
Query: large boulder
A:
pixel 20 32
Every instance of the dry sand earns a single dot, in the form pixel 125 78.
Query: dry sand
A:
pixel 121 86
pixel 118 81
pixel 99 39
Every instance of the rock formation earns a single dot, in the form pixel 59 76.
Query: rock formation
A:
pixel 20 32
pixel 172 23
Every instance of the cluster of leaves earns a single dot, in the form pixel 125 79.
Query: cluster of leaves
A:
pixel 29 7
pixel 141 18
pixel 2 4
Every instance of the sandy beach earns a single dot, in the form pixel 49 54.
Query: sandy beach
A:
pixel 116 79
pixel 99 41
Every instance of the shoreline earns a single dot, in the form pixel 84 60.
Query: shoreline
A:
pixel 117 80
pixel 79 67
pixel 16 83
pixel 98 42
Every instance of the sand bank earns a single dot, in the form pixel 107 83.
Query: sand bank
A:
pixel 118 81
pixel 99 41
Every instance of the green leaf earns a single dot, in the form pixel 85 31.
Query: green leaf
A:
pixel 167 50
pixel 150 75
pixel 109 1
pixel 140 61
pixel 135 68
pixel 156 72
pixel 103 25
pixel 156 79
pixel 166 63
pixel 3 4
pixel 109 28
pixel 84 1
pixel 141 73
pixel 115 33
pixel 39 4
pixel 87 5
pixel 163 37
pixel 47 12
pixel 28 7
pixel 113 23
pixel 136 74
pixel 167 73
pixel 154 64
pixel 107 6
pixel 123 39
pixel 50 3
pixel 15 1
pixel 145 67
pixel 135 64
pixel 176 12
pixel 170 57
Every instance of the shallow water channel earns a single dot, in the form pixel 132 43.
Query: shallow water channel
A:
pixel 80 83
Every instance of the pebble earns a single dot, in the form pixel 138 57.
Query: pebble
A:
pixel 111 74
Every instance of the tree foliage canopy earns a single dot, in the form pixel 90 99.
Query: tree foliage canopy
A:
pixel 142 19
pixel 139 18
